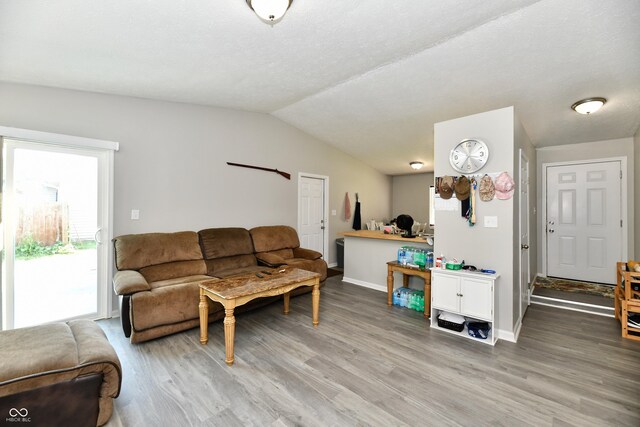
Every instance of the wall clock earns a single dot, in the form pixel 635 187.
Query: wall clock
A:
pixel 469 156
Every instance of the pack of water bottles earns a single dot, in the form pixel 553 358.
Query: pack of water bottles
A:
pixel 409 298
pixel 415 257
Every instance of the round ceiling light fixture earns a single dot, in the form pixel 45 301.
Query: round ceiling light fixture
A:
pixel 270 11
pixel 416 165
pixel 589 105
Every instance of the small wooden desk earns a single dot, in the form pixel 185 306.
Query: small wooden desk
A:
pixel 406 272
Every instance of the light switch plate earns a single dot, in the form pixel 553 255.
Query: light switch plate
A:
pixel 491 221
pixel 333 212
pixel 135 214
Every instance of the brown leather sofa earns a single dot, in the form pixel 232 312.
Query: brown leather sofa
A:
pixel 159 275
pixel 60 374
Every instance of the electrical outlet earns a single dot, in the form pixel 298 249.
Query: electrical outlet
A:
pixel 135 214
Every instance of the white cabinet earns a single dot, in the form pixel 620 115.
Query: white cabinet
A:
pixel 465 293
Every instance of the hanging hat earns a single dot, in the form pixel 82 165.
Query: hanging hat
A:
pixel 446 187
pixel 462 188
pixel 504 186
pixel 487 189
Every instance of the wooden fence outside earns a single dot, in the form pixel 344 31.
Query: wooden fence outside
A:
pixel 45 223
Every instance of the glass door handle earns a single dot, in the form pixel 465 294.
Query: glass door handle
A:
pixel 96 236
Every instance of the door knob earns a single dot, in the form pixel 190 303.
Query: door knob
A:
pixel 524 246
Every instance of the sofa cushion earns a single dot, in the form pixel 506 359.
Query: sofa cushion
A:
pixel 306 253
pixel 230 262
pixel 167 305
pixel 179 280
pixel 317 265
pixel 49 347
pixel 239 270
pixel 172 270
pixel 135 251
pixel 282 253
pixel 225 242
pixel 274 237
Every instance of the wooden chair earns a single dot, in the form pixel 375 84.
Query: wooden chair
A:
pixel 627 300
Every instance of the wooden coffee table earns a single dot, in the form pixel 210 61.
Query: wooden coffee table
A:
pixel 235 291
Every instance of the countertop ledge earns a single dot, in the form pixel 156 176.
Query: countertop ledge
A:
pixel 378 234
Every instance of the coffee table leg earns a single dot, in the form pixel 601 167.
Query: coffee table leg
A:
pixel 204 319
pixel 286 298
pixel 316 303
pixel 229 333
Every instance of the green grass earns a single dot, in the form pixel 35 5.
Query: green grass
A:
pixel 30 248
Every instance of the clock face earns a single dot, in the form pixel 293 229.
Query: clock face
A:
pixel 469 156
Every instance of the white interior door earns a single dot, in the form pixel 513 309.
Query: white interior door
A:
pixel 524 234
pixel 56 206
pixel 584 221
pixel 311 213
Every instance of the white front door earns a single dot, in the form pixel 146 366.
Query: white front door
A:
pixel 524 233
pixel 584 221
pixel 311 213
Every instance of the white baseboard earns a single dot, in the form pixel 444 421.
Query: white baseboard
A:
pixel 365 284
pixel 333 264
pixel 518 328
pixel 508 336
pixel 115 313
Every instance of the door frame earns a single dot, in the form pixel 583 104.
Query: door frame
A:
pixel 524 158
pixel 105 202
pixel 325 202
pixel 623 203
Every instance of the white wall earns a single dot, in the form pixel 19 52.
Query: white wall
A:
pixel 636 170
pixel 172 161
pixel 490 248
pixel 410 196
pixel 587 151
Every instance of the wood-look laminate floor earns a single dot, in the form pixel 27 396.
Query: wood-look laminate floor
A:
pixel 369 364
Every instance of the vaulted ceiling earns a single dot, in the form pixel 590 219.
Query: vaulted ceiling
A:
pixel 369 77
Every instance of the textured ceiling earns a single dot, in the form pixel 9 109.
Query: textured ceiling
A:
pixel 370 77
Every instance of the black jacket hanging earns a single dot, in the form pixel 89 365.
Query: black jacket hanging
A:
pixel 357 222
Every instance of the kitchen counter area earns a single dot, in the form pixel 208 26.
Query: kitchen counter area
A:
pixel 378 234
pixel 366 253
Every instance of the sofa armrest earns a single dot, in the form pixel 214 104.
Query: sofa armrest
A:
pixel 270 260
pixel 306 253
pixel 127 282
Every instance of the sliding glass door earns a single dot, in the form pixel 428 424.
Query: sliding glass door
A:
pixel 55 211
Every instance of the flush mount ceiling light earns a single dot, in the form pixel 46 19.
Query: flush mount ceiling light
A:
pixel 589 105
pixel 416 165
pixel 270 11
